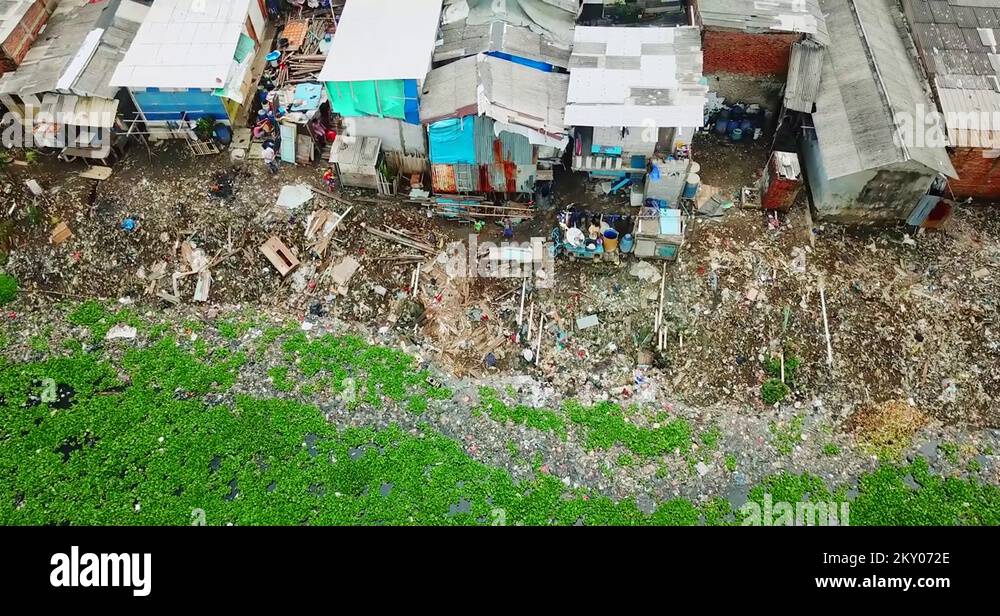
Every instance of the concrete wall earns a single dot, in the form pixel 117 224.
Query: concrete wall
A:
pixel 748 89
pixel 978 175
pixel 638 140
pixel 396 135
pixel 887 194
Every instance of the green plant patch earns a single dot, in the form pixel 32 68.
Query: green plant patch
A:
pixel 540 419
pixel 8 288
pixel 606 427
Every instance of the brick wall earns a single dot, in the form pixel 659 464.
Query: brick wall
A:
pixel 23 35
pixel 979 176
pixel 729 51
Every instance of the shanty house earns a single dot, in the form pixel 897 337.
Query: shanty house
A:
pixel 536 33
pixel 62 90
pixel 957 41
pixel 748 45
pixel 20 22
pixel 630 91
pixel 192 59
pixel 380 55
pixel 858 167
pixel 490 121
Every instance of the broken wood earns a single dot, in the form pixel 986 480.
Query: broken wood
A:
pixel 393 237
pixel 203 286
pixel 60 234
pixel 279 255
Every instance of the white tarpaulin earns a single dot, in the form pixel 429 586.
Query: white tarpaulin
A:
pixel 382 40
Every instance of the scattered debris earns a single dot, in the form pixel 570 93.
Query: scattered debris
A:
pixel 121 332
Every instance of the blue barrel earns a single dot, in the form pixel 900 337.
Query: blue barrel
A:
pixel 746 125
pixel 223 134
pixel 626 243
pixel 691 186
pixel 721 126
pixel 736 134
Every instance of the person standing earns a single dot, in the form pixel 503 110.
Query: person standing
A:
pixel 269 158
pixel 508 229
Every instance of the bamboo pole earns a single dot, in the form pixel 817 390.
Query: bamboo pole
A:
pixel 826 324
pixel 538 345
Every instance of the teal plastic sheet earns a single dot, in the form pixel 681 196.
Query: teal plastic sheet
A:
pixel 452 141
pixel 384 99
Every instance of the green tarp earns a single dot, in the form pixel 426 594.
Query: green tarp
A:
pixel 373 98
pixel 244 48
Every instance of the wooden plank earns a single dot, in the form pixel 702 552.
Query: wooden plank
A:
pixel 60 234
pixel 96 173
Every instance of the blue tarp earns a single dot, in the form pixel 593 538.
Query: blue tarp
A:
pixel 452 141
pixel 172 105
pixel 411 103
pixel 542 66
pixel 309 94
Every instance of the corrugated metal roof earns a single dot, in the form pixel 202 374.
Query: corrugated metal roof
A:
pixel 636 76
pixel 804 71
pixel 804 16
pixel 450 91
pixel 77 52
pixel 957 41
pixel 86 111
pixel 516 95
pixel 868 84
pixel 462 41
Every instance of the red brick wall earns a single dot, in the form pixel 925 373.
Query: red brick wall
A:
pixel 979 177
pixel 748 54
pixel 24 34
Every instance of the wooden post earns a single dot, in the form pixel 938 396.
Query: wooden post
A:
pixel 826 324
pixel 538 345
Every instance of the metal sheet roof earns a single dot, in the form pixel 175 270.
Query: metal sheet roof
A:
pixel 88 111
pixel 76 52
pixel 868 84
pixel 803 16
pixel 539 30
pixel 804 71
pixel 957 41
pixel 383 39
pixel 508 92
pixel 184 44
pixel 636 77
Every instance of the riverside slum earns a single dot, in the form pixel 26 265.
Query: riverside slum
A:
pixel 713 199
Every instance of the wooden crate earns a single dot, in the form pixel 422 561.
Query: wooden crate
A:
pixel 279 255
